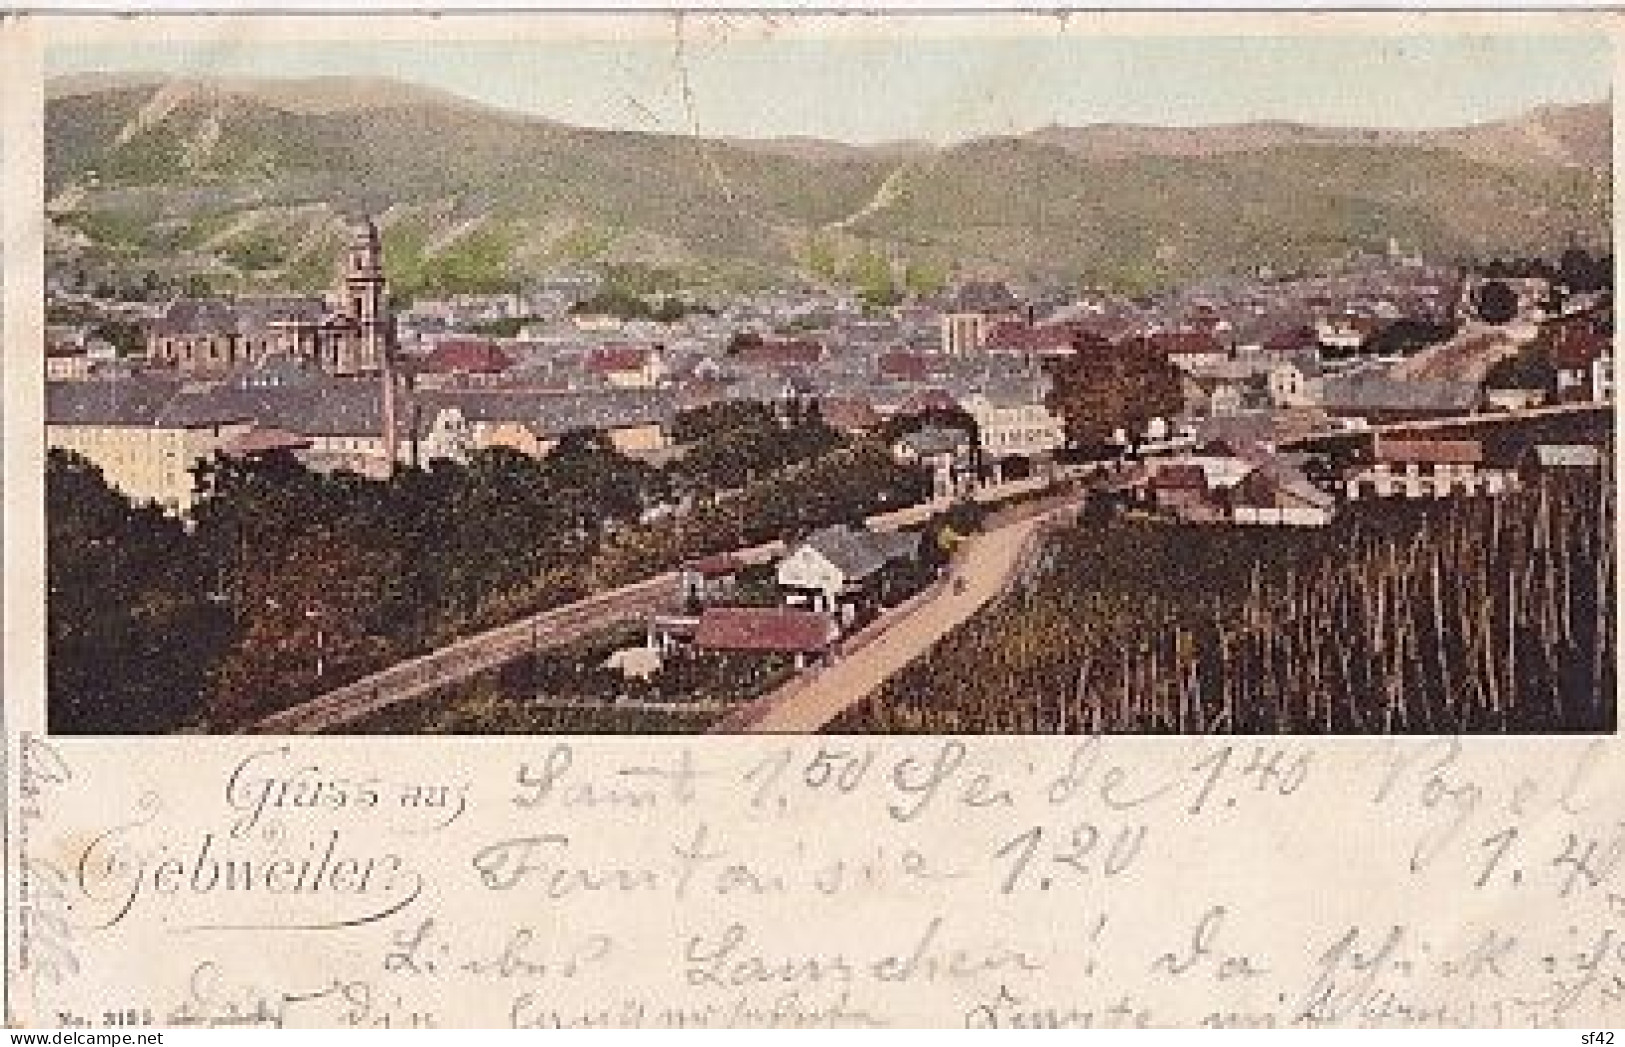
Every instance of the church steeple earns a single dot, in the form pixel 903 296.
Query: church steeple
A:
pixel 366 250
pixel 366 302
pixel 366 298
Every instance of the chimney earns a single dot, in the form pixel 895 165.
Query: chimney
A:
pixel 386 374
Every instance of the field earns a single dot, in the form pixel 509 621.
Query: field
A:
pixel 1462 615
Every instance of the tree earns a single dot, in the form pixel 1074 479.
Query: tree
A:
pixel 737 442
pixel 132 629
pixel 126 336
pixel 594 483
pixel 1530 368
pixel 821 258
pixel 871 273
pixel 614 301
pixel 310 618
pixel 708 420
pixel 670 310
pixel 1581 273
pixel 881 297
pixel 1496 302
pixel 501 523
pixel 250 508
pixel 1405 335
pixel 1099 393
pixel 923 279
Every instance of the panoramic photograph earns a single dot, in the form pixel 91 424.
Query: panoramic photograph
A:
pixel 821 378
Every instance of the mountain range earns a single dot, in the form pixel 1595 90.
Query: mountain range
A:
pixel 250 184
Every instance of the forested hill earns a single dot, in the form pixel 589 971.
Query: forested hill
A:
pixel 249 183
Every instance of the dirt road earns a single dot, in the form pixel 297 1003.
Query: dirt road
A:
pixel 807 703
pixel 423 675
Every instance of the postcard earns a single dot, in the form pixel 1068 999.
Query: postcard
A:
pixel 785 520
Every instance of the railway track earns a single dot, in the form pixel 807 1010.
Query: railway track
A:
pixel 421 676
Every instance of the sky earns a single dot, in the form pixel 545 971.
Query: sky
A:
pixel 950 84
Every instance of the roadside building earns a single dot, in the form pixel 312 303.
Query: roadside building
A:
pixel 1427 469
pixel 841 570
pixel 623 366
pixel 1017 428
pixel 709 580
pixel 1562 463
pixel 946 452
pixel 806 636
pixel 1276 493
pixel 1377 398
pixel 1584 362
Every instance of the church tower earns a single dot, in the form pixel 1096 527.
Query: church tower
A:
pixel 370 348
pixel 366 303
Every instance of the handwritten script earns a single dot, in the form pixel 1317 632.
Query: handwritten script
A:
pixel 846 882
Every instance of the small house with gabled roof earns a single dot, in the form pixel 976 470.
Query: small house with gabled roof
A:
pixel 842 570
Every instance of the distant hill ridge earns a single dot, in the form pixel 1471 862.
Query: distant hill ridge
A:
pixel 1578 135
pixel 247 181
pixel 312 95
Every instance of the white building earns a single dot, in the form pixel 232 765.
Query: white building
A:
pixel 1428 469
pixel 963 333
pixel 1015 423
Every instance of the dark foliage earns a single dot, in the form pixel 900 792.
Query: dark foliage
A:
pixel 292 582
pixel 132 629
pixel 1483 615
pixel 1125 388
pixel 1496 302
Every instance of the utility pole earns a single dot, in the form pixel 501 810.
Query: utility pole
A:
pixel 386 374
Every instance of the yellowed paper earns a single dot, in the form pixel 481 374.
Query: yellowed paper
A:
pixel 235 868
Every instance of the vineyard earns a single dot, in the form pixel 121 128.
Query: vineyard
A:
pixel 1457 615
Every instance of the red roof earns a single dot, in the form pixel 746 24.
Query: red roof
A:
pixel 1016 337
pixel 910 367
pixel 1095 340
pixel 698 391
pixel 719 566
pixel 797 352
pixel 263 441
pixel 1102 329
pixel 1576 347
pixel 1441 452
pixel 607 359
pixel 1180 476
pixel 1186 343
pixel 465 356
pixel 1290 339
pixel 782 629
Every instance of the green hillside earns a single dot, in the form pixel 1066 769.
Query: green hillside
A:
pixel 246 190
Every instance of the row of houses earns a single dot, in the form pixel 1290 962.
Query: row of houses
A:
pixel 147 434
pixel 1260 487
pixel 147 431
